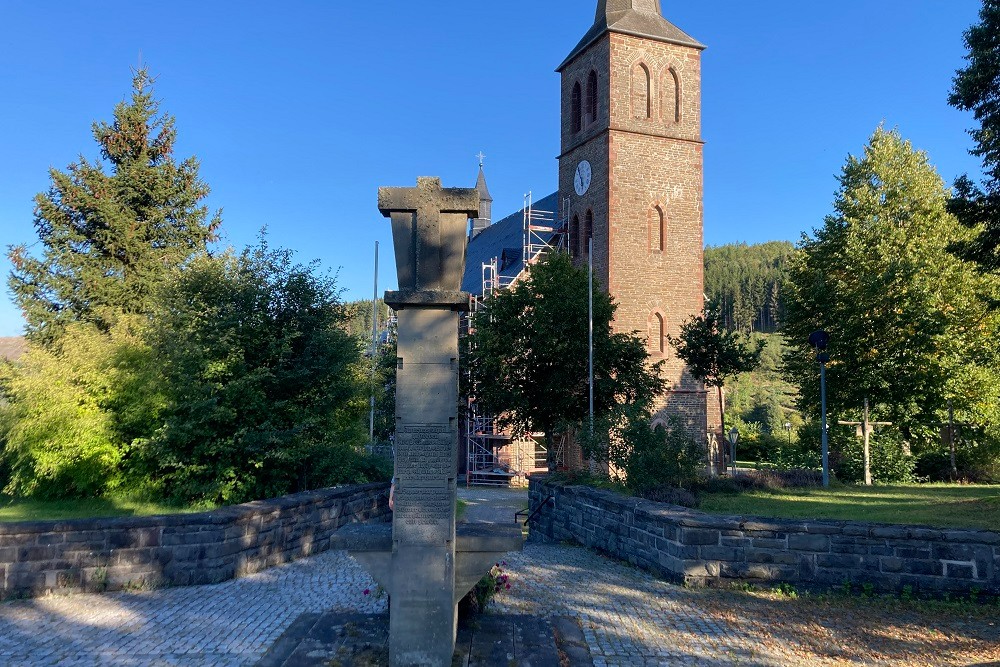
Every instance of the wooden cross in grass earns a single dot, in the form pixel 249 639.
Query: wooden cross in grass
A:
pixel 866 427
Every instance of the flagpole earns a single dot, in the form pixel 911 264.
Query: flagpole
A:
pixel 590 317
pixel 371 414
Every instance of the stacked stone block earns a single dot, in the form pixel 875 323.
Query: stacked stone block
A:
pixel 185 549
pixel 688 546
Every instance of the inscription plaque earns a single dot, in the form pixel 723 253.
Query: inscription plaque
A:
pixel 421 506
pixel 425 454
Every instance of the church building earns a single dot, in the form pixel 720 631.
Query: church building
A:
pixel 631 179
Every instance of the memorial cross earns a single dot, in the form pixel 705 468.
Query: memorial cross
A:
pixel 424 561
pixel 429 225
pixel 866 428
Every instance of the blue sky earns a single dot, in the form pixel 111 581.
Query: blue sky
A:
pixel 298 111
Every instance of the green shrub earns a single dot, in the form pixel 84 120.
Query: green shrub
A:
pixel 59 437
pixel 803 452
pixel 890 464
pixel 263 386
pixel 976 462
pixel 644 457
pixel 751 445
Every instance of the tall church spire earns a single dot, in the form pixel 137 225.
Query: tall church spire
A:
pixel 485 203
pixel 485 200
pixel 639 18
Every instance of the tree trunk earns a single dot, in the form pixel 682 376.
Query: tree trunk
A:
pixel 951 441
pixel 865 431
pixel 722 425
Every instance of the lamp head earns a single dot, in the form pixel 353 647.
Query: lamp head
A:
pixel 819 339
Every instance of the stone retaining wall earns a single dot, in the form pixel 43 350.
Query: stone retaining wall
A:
pixel 136 552
pixel 688 546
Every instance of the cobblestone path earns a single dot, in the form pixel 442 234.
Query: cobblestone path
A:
pixel 492 505
pixel 628 617
pixel 232 623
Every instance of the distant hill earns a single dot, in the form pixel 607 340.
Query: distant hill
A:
pixel 12 347
pixel 747 282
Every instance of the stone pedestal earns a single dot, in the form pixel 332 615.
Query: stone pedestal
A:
pixel 477 548
pixel 425 566
pixel 422 621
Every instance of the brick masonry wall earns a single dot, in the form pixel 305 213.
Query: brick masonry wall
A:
pixel 186 549
pixel 687 546
pixel 645 169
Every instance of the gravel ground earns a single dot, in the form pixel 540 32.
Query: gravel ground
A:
pixel 628 617
pixel 631 618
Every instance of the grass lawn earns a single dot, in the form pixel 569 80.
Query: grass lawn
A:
pixel 943 505
pixel 43 510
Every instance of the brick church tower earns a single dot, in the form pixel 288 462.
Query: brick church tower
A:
pixel 630 176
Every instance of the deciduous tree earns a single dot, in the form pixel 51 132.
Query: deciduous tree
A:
pixel 909 323
pixel 714 354
pixel 265 390
pixel 529 354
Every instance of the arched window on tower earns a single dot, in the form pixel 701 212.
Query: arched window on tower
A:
pixel 670 106
pixel 574 236
pixel 590 116
pixel 657 334
pixel 642 103
pixel 588 232
pixel 657 229
pixel 577 109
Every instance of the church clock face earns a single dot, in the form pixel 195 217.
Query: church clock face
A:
pixel 581 181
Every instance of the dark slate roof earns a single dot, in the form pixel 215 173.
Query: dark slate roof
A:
pixel 504 240
pixel 484 192
pixel 621 17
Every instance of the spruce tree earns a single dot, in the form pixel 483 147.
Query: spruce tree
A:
pixel 113 229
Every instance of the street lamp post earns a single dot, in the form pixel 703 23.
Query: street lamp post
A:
pixel 819 341
pixel 734 435
pixel 788 430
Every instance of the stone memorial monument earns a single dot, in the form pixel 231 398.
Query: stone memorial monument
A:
pixel 426 565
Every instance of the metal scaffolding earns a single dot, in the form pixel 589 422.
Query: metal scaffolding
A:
pixel 543 232
pixel 485 464
pixel 494 458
